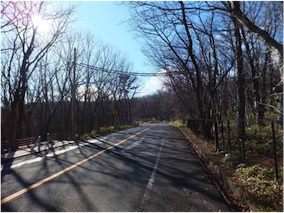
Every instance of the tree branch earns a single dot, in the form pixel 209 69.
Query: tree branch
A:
pixel 262 34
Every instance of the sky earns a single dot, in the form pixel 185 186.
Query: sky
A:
pixel 108 21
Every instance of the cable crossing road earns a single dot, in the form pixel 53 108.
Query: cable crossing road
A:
pixel 147 168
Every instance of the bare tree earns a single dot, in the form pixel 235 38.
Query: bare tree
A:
pixel 24 48
pixel 264 35
pixel 201 46
pixel 241 80
pixel 268 34
pixel 178 43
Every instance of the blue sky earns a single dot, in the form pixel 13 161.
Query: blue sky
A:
pixel 107 20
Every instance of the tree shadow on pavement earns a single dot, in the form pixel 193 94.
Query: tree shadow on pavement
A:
pixel 126 170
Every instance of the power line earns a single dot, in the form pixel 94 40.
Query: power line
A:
pixel 142 74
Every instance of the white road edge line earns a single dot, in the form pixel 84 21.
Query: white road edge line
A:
pixel 151 180
pixel 51 177
pixel 58 152
pixel 51 154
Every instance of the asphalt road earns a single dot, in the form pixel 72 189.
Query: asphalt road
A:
pixel 147 168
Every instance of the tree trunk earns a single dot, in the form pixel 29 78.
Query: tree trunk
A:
pixel 240 81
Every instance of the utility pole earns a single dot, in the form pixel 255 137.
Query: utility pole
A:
pixel 73 91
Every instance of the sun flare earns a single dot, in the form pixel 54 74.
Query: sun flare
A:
pixel 40 24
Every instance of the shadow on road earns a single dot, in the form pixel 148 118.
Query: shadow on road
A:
pixel 178 168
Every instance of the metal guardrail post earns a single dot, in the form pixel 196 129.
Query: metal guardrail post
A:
pixel 37 142
pixel 49 143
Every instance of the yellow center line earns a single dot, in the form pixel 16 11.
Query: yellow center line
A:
pixel 29 188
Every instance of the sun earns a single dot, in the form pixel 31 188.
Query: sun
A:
pixel 40 24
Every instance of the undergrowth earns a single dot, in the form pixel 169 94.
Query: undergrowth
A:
pixel 260 187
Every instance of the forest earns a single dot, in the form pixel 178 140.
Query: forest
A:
pixel 223 59
pixel 220 61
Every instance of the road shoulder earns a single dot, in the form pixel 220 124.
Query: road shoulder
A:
pixel 211 162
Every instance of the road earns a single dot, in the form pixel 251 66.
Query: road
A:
pixel 147 168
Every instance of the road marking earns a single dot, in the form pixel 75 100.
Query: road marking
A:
pixel 39 183
pixel 57 152
pixel 151 180
pixel 132 145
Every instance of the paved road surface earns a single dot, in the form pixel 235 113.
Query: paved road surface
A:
pixel 148 168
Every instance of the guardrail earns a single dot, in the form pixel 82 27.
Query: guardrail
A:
pixel 48 146
pixel 19 142
pixel 33 142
